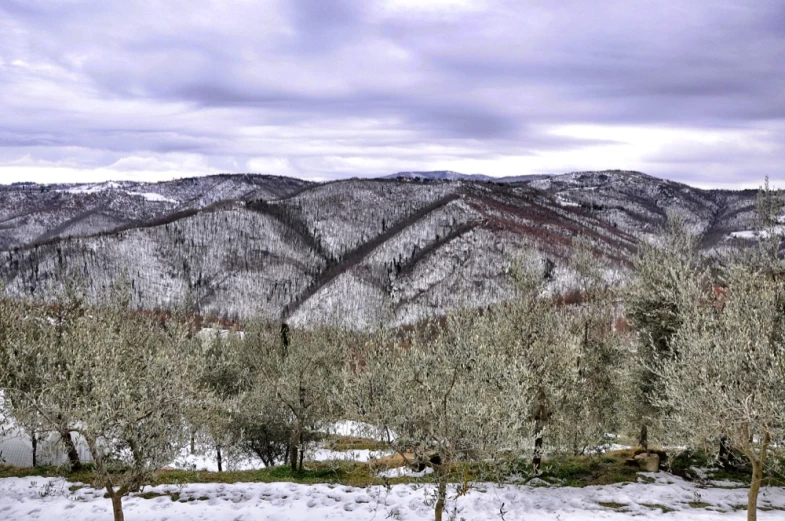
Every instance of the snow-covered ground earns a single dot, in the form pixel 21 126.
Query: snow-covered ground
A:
pixel 201 461
pixel 150 196
pixel 666 497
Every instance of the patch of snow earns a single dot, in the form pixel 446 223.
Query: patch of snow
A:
pixel 93 188
pixel 358 430
pixel 24 499
pixel 565 202
pixel 745 234
pixel 359 456
pixel 400 472
pixel 208 334
pixel 722 483
pixel 208 462
pixel 111 185
pixel 150 196
pixel 609 447
pixel 756 234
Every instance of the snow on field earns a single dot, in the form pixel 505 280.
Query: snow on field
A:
pixel 359 455
pixel 94 188
pixel 201 461
pixel 50 498
pixel 400 472
pixel 756 234
pixel 357 429
pixel 102 187
pixel 153 197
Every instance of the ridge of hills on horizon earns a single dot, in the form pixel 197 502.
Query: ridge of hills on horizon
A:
pixel 431 175
pixel 407 246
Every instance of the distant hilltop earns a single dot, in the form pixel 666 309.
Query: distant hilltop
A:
pixel 449 175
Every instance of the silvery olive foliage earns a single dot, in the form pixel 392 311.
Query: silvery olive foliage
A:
pixel 123 380
pixel 442 393
pixel 599 383
pixel 221 381
pixel 10 319
pixel 561 346
pixel 240 419
pixel 297 371
pixel 34 333
pixel 725 375
pixel 656 302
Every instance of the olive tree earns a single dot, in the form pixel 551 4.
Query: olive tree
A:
pixel 725 373
pixel 540 338
pixel 26 333
pixel 10 320
pixel 37 329
pixel 222 379
pixel 594 406
pixel 654 306
pixel 240 419
pixel 298 371
pixel 442 391
pixel 125 381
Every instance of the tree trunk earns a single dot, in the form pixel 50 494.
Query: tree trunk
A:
pixel 293 448
pixel 537 459
pixel 758 464
pixel 302 450
pixel 540 417
pixel 34 442
pixel 752 496
pixel 220 459
pixel 193 442
pixel 117 507
pixel 73 454
pixel 725 455
pixel 643 441
pixel 537 456
pixel 441 496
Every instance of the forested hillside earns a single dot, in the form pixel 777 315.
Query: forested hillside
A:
pixel 393 249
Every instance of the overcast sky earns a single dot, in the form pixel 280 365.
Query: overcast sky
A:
pixel 320 89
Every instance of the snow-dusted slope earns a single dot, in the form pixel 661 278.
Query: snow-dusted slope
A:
pixel 638 203
pixel 31 213
pixel 360 250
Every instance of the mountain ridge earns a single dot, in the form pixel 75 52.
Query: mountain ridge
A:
pixel 357 248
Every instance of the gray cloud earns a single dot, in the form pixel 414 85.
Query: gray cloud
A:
pixel 321 89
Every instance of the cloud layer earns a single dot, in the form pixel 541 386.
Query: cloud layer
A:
pixel 322 89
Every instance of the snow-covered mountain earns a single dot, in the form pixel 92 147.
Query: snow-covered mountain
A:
pixel 359 250
pixel 31 213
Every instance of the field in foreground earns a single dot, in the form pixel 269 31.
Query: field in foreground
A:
pixel 653 496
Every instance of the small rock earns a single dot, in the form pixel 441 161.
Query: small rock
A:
pixel 648 462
